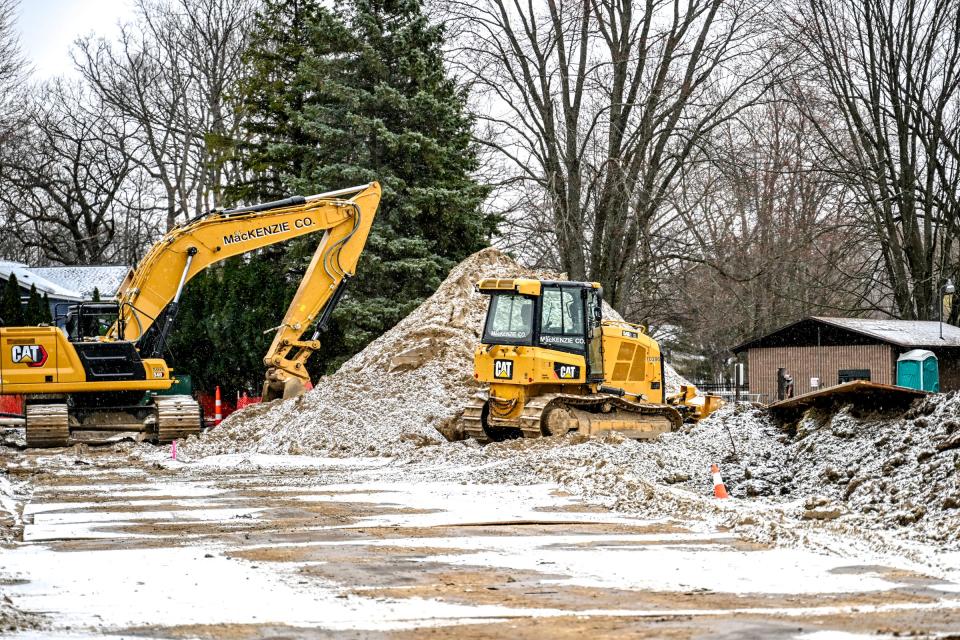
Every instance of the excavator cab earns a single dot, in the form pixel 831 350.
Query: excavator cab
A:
pixel 88 321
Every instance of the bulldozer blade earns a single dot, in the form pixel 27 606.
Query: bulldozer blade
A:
pixel 627 424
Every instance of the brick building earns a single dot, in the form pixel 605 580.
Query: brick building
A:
pixel 835 350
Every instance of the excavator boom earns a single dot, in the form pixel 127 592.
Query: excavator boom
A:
pixel 320 290
pixel 83 379
pixel 188 249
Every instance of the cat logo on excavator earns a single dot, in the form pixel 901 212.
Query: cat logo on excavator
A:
pixel 503 369
pixel 32 355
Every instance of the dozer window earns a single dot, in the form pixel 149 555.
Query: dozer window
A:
pixel 561 318
pixel 509 320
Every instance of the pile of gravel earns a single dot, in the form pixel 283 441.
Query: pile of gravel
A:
pixel 394 395
pixel 862 471
pixel 880 471
pixel 400 392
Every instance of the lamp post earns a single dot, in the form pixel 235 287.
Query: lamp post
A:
pixel 946 290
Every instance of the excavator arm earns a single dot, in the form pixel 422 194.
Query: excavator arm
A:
pixel 149 296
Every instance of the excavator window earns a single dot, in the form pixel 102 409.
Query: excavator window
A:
pixel 90 320
pixel 509 320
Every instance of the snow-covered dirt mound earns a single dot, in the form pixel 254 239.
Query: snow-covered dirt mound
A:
pixel 864 472
pixel 884 471
pixel 393 395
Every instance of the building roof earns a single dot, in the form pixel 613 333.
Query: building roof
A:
pixel 72 283
pixel 916 355
pixel 904 333
pixel 901 333
pixel 84 279
pixel 27 277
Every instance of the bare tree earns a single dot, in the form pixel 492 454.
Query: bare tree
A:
pixel 891 70
pixel 12 67
pixel 170 74
pixel 602 104
pixel 63 177
pixel 12 72
pixel 762 238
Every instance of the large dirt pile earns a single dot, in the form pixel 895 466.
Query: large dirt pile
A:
pixel 882 471
pixel 391 396
pixel 396 394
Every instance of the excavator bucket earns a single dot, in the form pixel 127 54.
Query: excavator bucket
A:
pixel 282 387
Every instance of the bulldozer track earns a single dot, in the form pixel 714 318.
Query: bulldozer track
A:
pixel 47 425
pixel 531 424
pixel 472 419
pixel 177 417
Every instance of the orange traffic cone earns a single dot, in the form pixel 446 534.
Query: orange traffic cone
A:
pixel 719 489
pixel 218 413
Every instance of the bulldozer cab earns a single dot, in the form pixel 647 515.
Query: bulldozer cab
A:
pixel 562 316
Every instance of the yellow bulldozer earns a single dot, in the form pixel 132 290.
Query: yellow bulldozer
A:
pixel 553 365
pixel 92 374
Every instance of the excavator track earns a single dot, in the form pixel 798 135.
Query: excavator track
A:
pixel 47 425
pixel 176 417
pixel 551 414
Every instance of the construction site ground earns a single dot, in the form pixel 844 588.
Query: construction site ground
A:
pixel 124 542
pixel 346 512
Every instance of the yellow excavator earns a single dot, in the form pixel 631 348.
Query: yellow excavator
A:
pixel 103 375
pixel 554 366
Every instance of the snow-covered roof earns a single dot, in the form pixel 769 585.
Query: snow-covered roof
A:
pixel 904 333
pixel 917 355
pixel 83 279
pixel 27 276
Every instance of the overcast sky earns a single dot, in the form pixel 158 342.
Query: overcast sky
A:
pixel 49 27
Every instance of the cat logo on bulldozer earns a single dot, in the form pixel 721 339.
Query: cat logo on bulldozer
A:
pixel 566 371
pixel 503 369
pixel 32 355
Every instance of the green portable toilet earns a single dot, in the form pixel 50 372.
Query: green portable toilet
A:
pixel 918 369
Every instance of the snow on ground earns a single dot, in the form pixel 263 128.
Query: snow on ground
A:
pixel 670 567
pixel 892 493
pixel 12 494
pixel 219 591
pixel 225 575
pixel 231 591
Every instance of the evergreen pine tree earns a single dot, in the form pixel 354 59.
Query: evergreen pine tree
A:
pixel 224 345
pixel 96 295
pixel 33 314
pixel 360 93
pixel 47 317
pixel 11 308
